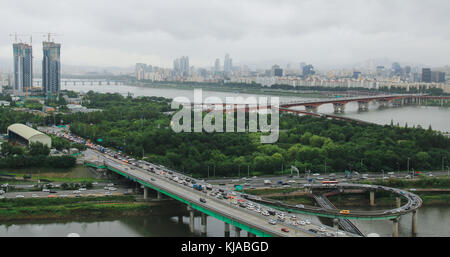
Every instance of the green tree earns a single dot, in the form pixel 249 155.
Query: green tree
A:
pixel 37 148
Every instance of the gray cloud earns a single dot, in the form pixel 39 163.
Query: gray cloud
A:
pixel 324 32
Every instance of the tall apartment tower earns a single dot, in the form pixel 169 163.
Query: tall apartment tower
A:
pixel 426 75
pixel 23 68
pixel 51 68
pixel 227 64
pixel 217 65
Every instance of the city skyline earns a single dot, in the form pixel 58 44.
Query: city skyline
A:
pixel 261 33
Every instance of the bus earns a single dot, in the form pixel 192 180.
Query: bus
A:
pixel 330 182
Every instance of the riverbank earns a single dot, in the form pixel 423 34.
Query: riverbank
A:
pixel 77 174
pixel 80 208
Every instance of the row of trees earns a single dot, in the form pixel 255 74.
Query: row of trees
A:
pixel 138 127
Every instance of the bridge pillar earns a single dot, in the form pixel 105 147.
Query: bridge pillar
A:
pixel 335 223
pixel 238 231
pixel 180 219
pixel 363 106
pixel 339 107
pixel 145 192
pixel 204 224
pixel 191 219
pixel 227 229
pixel 398 202
pixel 395 227
pixel 414 223
pixel 372 198
pixel 311 108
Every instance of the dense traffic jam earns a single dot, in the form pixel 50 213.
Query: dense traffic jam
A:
pixel 221 193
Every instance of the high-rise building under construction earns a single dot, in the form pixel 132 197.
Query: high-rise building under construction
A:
pixel 23 68
pixel 51 68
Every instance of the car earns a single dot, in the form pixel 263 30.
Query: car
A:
pixel 300 206
pixel 106 193
pixel 112 189
pixel 53 192
pixel 344 212
pixel 285 230
pixel 20 196
pixel 82 189
pixel 312 230
pixel 76 192
pixel 45 190
pixel 272 222
pixel 34 195
pixel 202 200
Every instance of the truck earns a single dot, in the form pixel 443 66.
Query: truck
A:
pixel 198 187
pixel 267 182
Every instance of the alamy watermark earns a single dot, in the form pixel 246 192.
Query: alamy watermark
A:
pixel 258 110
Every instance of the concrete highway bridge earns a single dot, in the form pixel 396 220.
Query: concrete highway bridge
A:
pixel 241 218
pixel 84 82
pixel 311 107
pixel 413 203
pixel 345 224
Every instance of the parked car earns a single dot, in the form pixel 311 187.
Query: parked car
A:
pixel 202 200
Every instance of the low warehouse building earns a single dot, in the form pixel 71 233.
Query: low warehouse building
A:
pixel 23 133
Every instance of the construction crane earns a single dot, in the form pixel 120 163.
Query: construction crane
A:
pixel 49 35
pixel 15 35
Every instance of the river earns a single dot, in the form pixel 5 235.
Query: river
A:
pixel 432 222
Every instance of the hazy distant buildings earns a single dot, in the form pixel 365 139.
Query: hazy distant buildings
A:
pixel 227 65
pixel 308 70
pixel 181 66
pixel 51 68
pixel 23 67
pixel 217 66
pixel 140 70
pixel 277 71
pixel 356 74
pixel 438 76
pixel 426 75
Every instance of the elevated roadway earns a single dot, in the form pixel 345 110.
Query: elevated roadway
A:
pixel 223 210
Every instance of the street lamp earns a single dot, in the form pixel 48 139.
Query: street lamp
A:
pixel 398 169
pixel 408 166
pixel 443 157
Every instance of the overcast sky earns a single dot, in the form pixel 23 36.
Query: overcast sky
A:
pixel 322 32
